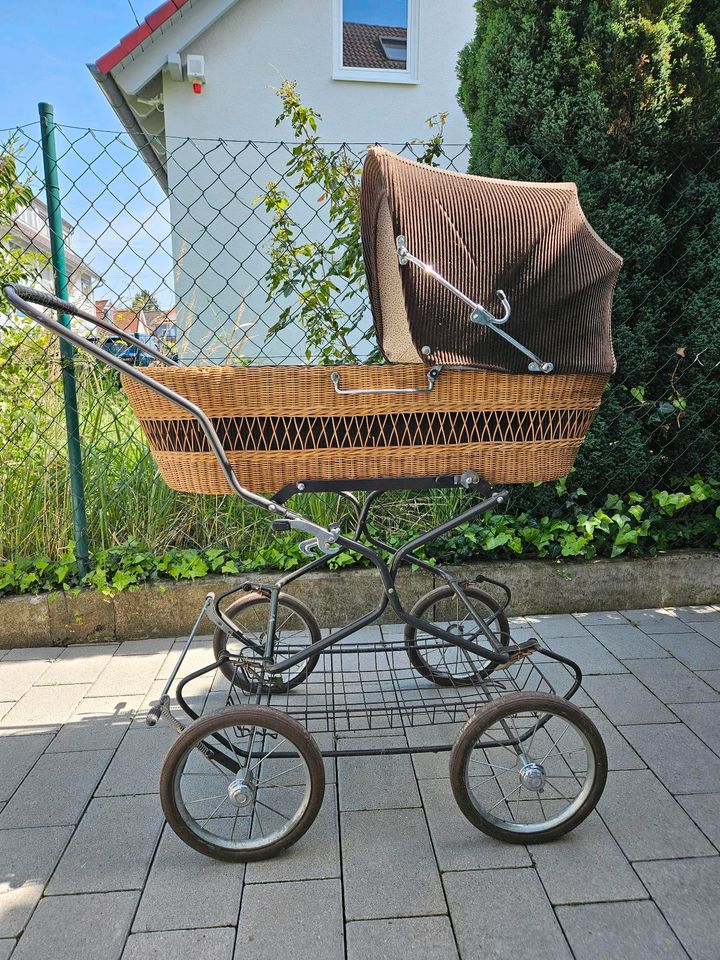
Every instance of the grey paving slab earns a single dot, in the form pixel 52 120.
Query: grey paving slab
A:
pixel 646 821
pixel 18 755
pixel 316 856
pixel 699 614
pixel 137 763
pixel 27 858
pixel 619 931
pixel 44 707
pixel 429 938
pixel 621 755
pixel 626 642
pixel 671 681
pixel 186 890
pixel 586 866
pixel 132 670
pixel 433 765
pixel 624 699
pixel 122 831
pixel 81 663
pixel 86 927
pixel 710 630
pixel 6 948
pixel 199 655
pixel 96 723
pixel 397 876
pixel 181 945
pixel 600 618
pixel 496 914
pixel 458 844
pixel 5 706
pixel 56 790
pixel 656 621
pixel 704 808
pixel 686 893
pixel 374 783
pixel 592 656
pixel 555 625
pixel 711 677
pixel 703 719
pixel 291 920
pixel 33 653
pixel 679 758
pixel 17 676
pixel 692 649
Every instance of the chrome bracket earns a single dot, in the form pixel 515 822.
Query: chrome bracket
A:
pixel 479 314
pixel 432 375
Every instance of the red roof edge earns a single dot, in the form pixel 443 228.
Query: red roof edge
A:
pixel 137 36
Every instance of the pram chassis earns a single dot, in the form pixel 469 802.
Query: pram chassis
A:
pixel 341 708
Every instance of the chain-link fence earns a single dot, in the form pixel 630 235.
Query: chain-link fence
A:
pixel 246 252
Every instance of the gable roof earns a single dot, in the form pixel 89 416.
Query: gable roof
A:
pixel 362 46
pixel 152 22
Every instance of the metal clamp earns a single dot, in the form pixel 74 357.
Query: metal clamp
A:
pixel 479 314
pixel 432 375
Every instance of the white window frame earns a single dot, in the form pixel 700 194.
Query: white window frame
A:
pixel 371 74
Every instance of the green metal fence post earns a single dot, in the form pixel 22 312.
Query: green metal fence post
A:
pixel 52 193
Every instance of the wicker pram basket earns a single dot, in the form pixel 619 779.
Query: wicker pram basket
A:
pixel 457 395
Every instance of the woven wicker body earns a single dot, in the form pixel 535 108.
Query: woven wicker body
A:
pixel 281 425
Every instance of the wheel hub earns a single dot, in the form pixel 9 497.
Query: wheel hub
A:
pixel 240 793
pixel 532 777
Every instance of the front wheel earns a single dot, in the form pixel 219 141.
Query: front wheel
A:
pixel 242 784
pixel 528 768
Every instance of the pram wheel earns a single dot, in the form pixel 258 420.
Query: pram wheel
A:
pixel 528 768
pixel 444 664
pixel 243 783
pixel 295 629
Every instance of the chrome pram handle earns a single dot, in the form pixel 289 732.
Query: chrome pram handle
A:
pixel 479 314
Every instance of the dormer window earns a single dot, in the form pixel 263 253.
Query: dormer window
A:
pixel 376 42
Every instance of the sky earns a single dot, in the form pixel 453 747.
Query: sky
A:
pixel 389 13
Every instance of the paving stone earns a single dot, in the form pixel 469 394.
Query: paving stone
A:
pixel 81 663
pixel 656 621
pixel 97 723
pixel 199 655
pixel 600 618
pixel 291 920
pixel 621 755
pixel 56 790
pixel 646 821
pixel 137 763
pixel 458 844
pixel 433 765
pixel 686 892
pixel 693 650
pixel 627 642
pixel 316 855
pixel 44 707
pixel 585 866
pixel 132 670
pixel 672 682
pixel 711 677
pixel 374 783
pixel 550 626
pixel 618 931
pixel 17 757
pixel 5 707
pixel 27 858
pixel 623 699
pixel 710 630
pixel 86 927
pixel 121 831
pixel 33 653
pixel 397 876
pixel 6 948
pixel 678 757
pixel 429 938
pixel 704 808
pixel 588 652
pixel 17 676
pixel 186 890
pixel 701 614
pixel 497 914
pixel 181 945
pixel 703 719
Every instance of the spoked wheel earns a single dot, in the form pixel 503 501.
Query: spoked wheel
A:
pixel 243 783
pixel 528 768
pixel 295 629
pixel 447 665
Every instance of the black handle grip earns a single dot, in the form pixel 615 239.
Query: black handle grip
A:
pixel 155 712
pixel 43 299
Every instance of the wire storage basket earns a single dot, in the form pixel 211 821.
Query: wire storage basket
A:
pixel 283 424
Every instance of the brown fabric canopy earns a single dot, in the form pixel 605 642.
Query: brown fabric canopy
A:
pixel 529 239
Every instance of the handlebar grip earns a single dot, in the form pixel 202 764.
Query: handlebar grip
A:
pixel 155 712
pixel 43 299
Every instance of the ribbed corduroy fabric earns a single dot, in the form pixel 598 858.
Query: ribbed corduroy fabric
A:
pixel 531 240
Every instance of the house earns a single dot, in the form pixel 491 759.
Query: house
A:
pixel 195 87
pixel 30 232
pixel 159 323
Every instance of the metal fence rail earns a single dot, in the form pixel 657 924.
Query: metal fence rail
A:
pixel 250 257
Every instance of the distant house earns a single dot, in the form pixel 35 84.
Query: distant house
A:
pixel 194 85
pixel 159 323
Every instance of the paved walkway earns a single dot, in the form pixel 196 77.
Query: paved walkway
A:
pixel 390 870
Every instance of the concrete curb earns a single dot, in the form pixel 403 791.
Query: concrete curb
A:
pixel 169 610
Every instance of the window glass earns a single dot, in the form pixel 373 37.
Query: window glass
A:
pixel 375 34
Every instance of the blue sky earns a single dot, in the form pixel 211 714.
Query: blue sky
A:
pixel 389 13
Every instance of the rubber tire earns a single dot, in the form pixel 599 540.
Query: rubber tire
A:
pixel 237 676
pixel 242 716
pixel 442 593
pixel 485 717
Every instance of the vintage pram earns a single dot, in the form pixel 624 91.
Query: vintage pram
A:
pixel 467 400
